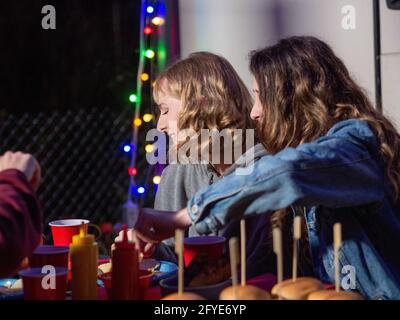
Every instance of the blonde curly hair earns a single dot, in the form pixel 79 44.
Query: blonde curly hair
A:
pixel 212 94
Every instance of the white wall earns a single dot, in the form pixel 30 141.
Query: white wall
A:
pixel 228 27
pixel 235 27
pixel 390 62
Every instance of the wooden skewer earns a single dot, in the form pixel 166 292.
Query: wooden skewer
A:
pixel 179 252
pixel 277 237
pixel 296 238
pixel 337 243
pixel 243 251
pixel 233 253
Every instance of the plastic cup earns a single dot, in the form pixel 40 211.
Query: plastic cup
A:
pixel 64 230
pixel 49 255
pixel 210 246
pixel 37 287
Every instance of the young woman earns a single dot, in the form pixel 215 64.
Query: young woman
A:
pixel 330 154
pixel 201 92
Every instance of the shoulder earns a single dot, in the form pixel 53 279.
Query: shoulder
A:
pixel 354 129
pixel 183 171
pixel 178 183
pixel 248 158
pixel 172 170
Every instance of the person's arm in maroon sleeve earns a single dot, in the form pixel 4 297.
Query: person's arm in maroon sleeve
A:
pixel 20 212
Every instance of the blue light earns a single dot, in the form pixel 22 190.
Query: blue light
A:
pixel 150 9
pixel 141 190
pixel 127 148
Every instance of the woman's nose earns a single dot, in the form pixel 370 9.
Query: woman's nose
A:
pixel 255 113
pixel 161 125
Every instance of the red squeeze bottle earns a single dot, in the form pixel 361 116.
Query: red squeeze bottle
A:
pixel 125 270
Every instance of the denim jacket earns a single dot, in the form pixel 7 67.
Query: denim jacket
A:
pixel 339 177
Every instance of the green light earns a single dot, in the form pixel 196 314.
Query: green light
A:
pixel 149 54
pixel 133 98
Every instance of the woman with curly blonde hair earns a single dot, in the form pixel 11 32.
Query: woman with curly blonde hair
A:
pixel 204 92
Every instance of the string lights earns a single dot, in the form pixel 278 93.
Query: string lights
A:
pixel 152 53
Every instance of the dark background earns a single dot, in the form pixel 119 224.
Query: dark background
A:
pixel 89 61
pixel 64 98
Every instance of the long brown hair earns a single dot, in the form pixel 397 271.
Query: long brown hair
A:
pixel 305 89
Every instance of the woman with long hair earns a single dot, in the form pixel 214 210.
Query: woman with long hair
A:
pixel 332 158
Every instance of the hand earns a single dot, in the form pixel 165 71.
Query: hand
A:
pixel 23 162
pixel 146 248
pixel 154 226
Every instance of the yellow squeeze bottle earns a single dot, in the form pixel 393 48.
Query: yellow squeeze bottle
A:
pixel 84 253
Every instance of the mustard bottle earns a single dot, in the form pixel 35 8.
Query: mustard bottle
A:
pixel 84 254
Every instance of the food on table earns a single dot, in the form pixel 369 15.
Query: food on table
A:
pixel 104 268
pixel 201 273
pixel 334 295
pixel 297 290
pixel 242 291
pixel 183 296
pixel 247 292
pixel 17 284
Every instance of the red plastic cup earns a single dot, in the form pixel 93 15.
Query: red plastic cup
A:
pixel 210 246
pixel 49 255
pixel 34 289
pixel 144 282
pixel 64 230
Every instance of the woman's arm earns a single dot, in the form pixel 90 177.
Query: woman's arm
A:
pixel 338 170
pixel 20 220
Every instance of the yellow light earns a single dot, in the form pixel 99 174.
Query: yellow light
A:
pixel 144 76
pixel 157 21
pixel 147 117
pixel 149 148
pixel 156 179
pixel 137 122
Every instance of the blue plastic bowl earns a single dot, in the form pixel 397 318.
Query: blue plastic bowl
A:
pixel 165 270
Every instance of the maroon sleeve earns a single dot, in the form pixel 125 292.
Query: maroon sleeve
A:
pixel 20 220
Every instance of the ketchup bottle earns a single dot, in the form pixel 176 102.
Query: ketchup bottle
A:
pixel 125 270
